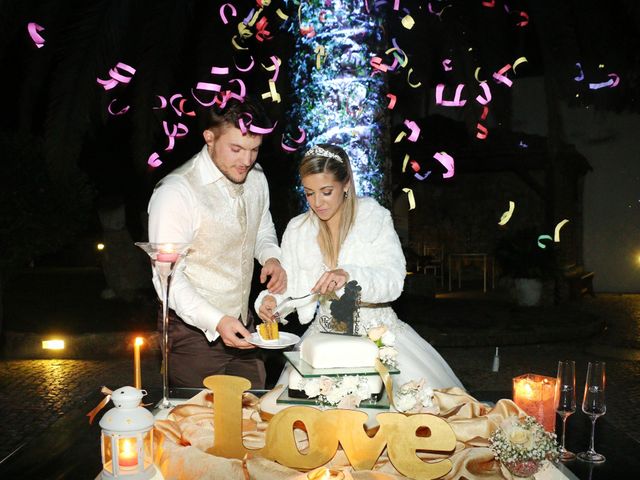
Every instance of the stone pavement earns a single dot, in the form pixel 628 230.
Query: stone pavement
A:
pixel 36 393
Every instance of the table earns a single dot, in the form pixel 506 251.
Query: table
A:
pixel 458 257
pixel 70 448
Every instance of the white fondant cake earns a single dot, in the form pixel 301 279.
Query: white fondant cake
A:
pixel 321 350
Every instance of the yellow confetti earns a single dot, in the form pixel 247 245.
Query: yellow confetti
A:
pixel 254 18
pixel 556 232
pixel 236 45
pixel 518 62
pixel 412 85
pixel 400 136
pixel 272 67
pixel 506 216
pixel 281 14
pixel 408 22
pixel 396 51
pixel 404 162
pixel 320 56
pixel 475 75
pixel 273 93
pixel 412 200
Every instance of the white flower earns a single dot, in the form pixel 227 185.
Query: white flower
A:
pixel 404 403
pixel 334 396
pixel 388 355
pixel 350 401
pixel 312 388
pixel 376 333
pixel 364 391
pixel 388 338
pixel 350 384
pixel 326 384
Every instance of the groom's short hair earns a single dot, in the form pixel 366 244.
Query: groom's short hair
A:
pixel 234 110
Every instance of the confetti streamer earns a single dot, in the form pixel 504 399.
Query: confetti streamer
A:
pixel 501 78
pixel 475 75
pixel 506 216
pixel 33 29
pixel 447 161
pixel 262 33
pixel 154 160
pixel 246 69
pixel 392 101
pixel 518 61
pixel 487 94
pixel 177 131
pixel 282 15
pixel 220 70
pixel 456 102
pixel 412 200
pixel 580 76
pixel 485 112
pixel 222 14
pixel 298 140
pixel 408 22
pixel 320 56
pixel 556 232
pixel 482 131
pixel 404 162
pixel 400 136
pixel 415 130
pixel 208 87
pixel 243 90
pixel 117 77
pixel 543 237
pixel 422 177
pixel 446 64
pixel 122 111
pixel 163 103
pixel 489 4
pixel 272 93
pixel 273 68
pixel 525 21
pixel 412 85
pixel 415 166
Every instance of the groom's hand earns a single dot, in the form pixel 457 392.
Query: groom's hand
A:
pixel 278 277
pixel 229 328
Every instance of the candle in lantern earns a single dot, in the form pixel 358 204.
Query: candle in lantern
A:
pixel 324 473
pixel 137 374
pixel 535 395
pixel 127 452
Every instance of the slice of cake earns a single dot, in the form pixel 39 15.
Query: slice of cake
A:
pixel 268 332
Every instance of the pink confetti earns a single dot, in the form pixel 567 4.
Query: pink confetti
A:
pixel 234 12
pixel 482 131
pixel 175 109
pixel 446 64
pixel 163 103
pixel 415 166
pixel 154 160
pixel 489 4
pixel 261 130
pixel 276 67
pixel 177 131
pixel 243 90
pixel 220 70
pixel 396 5
pixel 616 79
pixel 209 87
pixel 181 107
pixel 262 33
pixel 456 102
pixel 501 78
pixel 485 112
pixel 415 130
pixel 525 22
pixel 117 77
pixel 487 94
pixel 246 69
pixel 298 140
pixel 122 111
pixel 447 161
pixel 33 29
pixel 392 101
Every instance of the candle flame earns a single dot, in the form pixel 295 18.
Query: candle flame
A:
pixel 53 344
pixel 126 450
pixel 139 341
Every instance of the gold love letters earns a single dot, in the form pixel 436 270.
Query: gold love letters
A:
pixel 328 428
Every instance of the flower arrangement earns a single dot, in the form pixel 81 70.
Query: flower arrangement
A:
pixel 522 444
pixel 414 397
pixel 343 392
pixel 385 340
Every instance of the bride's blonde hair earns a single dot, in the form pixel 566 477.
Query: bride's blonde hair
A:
pixel 331 159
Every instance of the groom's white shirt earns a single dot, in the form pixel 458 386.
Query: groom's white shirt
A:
pixel 193 205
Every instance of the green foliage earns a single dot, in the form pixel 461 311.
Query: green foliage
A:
pixel 519 255
pixel 36 215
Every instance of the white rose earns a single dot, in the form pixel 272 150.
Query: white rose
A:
pixel 427 397
pixel 350 401
pixel 388 338
pixel 387 354
pixel 312 388
pixel 350 384
pixel 325 384
pixel 376 333
pixel 364 391
pixel 334 396
pixel 404 403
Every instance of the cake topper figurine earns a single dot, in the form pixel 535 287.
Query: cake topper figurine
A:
pixel 344 312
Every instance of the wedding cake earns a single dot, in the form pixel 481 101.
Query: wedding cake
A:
pixel 323 351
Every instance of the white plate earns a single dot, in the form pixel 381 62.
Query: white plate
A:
pixel 286 340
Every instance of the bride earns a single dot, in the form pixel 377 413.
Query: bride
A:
pixel 341 238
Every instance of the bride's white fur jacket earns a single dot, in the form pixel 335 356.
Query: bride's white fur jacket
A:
pixel 371 254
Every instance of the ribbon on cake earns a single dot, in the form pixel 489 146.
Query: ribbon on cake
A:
pixel 383 371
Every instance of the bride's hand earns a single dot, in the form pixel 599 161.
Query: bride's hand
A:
pixel 331 281
pixel 267 308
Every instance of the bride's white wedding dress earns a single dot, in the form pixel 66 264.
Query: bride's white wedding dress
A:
pixel 372 255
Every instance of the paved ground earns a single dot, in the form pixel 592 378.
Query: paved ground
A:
pixel 35 393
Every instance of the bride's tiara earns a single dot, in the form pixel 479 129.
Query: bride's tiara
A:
pixel 321 152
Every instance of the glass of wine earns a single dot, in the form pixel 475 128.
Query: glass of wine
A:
pixel 565 400
pixel 594 405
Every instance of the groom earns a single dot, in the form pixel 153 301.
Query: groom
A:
pixel 218 202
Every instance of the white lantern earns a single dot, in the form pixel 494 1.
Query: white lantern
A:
pixel 127 437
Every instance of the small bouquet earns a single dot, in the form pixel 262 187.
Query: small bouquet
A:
pixel 385 339
pixel 415 397
pixel 521 445
pixel 343 392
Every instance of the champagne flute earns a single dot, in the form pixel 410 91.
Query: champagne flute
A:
pixel 594 405
pixel 565 400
